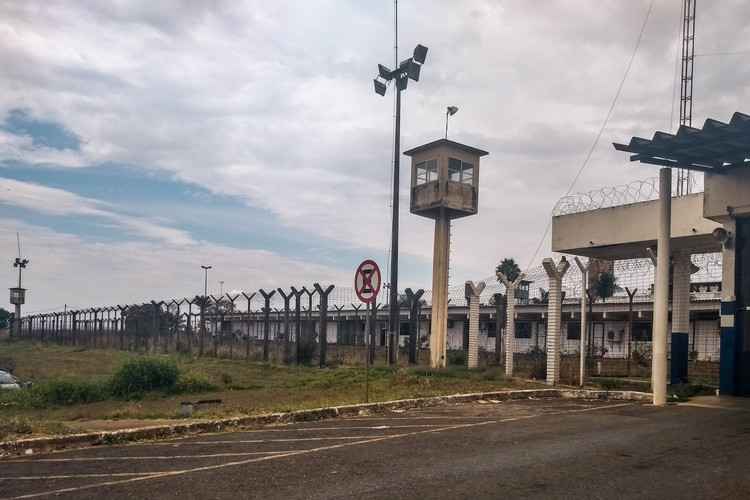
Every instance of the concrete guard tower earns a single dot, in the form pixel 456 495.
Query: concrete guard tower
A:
pixel 444 186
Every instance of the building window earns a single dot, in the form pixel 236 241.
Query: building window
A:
pixel 460 171
pixel 491 329
pixel 642 332
pixel 427 172
pixel 523 330
pixel 574 330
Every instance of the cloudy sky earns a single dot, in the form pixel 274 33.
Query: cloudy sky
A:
pixel 141 139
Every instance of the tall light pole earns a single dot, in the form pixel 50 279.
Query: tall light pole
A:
pixel 408 68
pixel 449 111
pixel 18 294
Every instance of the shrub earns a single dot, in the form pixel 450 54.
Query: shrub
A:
pixel 456 358
pixel 137 377
pixel 60 393
pixel 191 384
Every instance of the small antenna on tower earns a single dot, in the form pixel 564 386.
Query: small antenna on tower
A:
pixel 18 240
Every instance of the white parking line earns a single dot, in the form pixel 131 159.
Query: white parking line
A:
pixel 75 476
pixel 146 457
pixel 166 474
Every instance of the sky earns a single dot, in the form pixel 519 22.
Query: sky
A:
pixel 140 140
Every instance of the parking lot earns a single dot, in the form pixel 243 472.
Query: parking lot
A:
pixel 529 448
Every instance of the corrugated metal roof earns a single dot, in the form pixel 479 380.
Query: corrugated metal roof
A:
pixel 714 148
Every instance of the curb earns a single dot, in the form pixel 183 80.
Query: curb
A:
pixel 47 444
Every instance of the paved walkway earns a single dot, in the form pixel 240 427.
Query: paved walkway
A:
pixel 531 449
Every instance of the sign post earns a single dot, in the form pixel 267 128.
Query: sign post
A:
pixel 367 282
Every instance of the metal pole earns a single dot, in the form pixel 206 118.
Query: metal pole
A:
pixel 368 323
pixel 661 293
pixel 394 306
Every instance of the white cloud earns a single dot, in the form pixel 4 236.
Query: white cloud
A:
pixel 272 101
pixel 66 269
pixel 53 201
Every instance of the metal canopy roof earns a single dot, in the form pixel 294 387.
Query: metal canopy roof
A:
pixel 715 148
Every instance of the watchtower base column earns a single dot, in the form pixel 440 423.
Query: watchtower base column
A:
pixel 439 319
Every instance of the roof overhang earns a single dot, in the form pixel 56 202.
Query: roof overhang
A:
pixel 715 148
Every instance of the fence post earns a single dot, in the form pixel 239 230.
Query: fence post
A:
pixel 287 327
pixel 510 327
pixel 266 320
pixel 374 308
pixel 414 303
pixel 323 321
pixel 249 299
pixel 298 322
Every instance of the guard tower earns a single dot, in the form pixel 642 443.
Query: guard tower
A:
pixel 444 186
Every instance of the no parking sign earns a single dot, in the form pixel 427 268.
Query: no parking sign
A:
pixel 367 281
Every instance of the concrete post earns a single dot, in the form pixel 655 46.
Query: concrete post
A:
pixel 323 293
pixel 584 320
pixel 554 313
pixel 727 368
pixel 510 318
pixel 439 323
pixel 680 316
pixel 472 297
pixel 266 320
pixel 661 290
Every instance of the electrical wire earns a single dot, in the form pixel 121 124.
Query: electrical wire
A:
pixel 601 129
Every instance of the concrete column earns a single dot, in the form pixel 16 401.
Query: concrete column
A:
pixel 439 323
pixel 472 297
pixel 727 366
pixel 584 320
pixel 682 269
pixel 510 319
pixel 554 312
pixel 661 290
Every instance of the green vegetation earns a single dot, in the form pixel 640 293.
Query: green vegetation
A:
pixel 139 376
pixel 509 268
pixel 78 389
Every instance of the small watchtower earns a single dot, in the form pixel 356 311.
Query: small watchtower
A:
pixel 445 179
pixel 444 186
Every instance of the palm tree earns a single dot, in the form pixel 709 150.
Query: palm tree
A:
pixel 605 285
pixel 509 268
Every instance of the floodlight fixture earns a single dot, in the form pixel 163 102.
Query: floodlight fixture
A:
pixel 384 72
pixel 449 111
pixel 412 70
pixel 420 53
pixel 379 87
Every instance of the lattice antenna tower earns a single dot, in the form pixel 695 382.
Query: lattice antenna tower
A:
pixel 686 84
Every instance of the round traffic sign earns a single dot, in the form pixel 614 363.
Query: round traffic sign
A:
pixel 367 281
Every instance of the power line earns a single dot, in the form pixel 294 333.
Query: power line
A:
pixel 601 129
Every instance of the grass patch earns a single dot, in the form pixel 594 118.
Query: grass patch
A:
pixel 245 388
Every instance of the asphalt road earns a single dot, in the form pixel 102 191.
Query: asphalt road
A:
pixel 519 449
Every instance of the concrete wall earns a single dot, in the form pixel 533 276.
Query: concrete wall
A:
pixel 729 190
pixel 633 228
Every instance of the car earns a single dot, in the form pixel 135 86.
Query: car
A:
pixel 8 381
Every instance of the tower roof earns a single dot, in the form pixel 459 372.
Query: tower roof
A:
pixel 445 142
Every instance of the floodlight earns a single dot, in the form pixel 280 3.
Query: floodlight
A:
pixel 420 53
pixel 412 70
pixel 384 72
pixel 402 82
pixel 452 110
pixel 379 87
